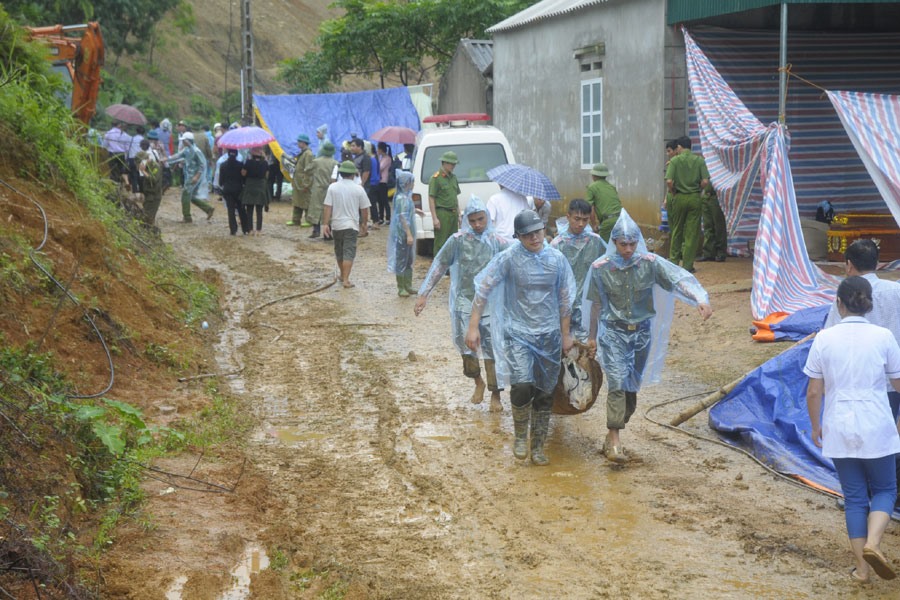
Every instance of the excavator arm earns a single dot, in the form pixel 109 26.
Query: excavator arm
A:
pixel 77 52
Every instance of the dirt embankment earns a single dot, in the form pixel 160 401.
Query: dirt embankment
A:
pixel 380 480
pixel 207 62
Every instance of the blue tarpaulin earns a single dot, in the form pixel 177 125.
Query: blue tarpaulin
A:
pixel 363 113
pixel 766 415
pixel 800 324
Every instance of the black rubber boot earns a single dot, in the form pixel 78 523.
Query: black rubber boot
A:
pixel 521 418
pixel 540 424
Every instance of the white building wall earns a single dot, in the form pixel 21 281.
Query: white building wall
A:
pixel 537 98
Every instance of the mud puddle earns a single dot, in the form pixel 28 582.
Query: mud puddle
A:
pixel 382 469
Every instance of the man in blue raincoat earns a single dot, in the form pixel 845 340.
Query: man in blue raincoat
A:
pixel 465 254
pixel 195 189
pixel 531 290
pixel 581 247
pixel 624 317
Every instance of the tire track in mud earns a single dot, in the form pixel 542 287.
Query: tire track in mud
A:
pixel 352 374
pixel 382 471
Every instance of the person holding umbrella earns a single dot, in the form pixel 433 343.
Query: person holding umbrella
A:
pixel 195 189
pixel 517 181
pixel 503 208
pixel 117 142
pixel 257 191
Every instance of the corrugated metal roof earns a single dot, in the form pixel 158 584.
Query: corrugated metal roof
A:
pixel 680 11
pixel 481 52
pixel 542 10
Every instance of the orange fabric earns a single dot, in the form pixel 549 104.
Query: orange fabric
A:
pixel 816 486
pixel 764 332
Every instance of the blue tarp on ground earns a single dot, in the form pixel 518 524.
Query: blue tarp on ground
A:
pixel 766 415
pixel 800 324
pixel 363 113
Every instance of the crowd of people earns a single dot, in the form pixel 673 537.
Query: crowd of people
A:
pixel 520 299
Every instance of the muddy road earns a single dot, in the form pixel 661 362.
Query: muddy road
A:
pixel 370 463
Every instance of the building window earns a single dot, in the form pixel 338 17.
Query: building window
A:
pixel 591 122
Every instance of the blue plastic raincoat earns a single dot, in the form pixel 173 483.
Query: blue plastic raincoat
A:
pixel 194 162
pixel 400 255
pixel 465 254
pixel 636 302
pixel 581 251
pixel 528 294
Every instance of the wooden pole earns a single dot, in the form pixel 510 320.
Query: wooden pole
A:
pixel 722 392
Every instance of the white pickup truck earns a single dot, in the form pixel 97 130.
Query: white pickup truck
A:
pixel 479 148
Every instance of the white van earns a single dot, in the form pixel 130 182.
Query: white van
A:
pixel 479 148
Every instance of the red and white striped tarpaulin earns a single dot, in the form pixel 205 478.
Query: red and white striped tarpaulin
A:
pixel 873 123
pixel 738 148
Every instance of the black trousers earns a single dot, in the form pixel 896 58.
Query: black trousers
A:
pixel 236 212
pixel 276 180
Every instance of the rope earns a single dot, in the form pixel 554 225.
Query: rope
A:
pixel 787 69
pixel 768 468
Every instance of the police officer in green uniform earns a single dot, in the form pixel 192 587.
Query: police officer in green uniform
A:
pixel 443 191
pixel 301 183
pixel 686 176
pixel 715 236
pixel 604 198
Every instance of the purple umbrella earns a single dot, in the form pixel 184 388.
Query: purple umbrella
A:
pixel 126 113
pixel 246 137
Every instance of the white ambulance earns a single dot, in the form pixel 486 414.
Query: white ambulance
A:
pixel 479 149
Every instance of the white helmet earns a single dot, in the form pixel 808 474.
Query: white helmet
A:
pixel 187 136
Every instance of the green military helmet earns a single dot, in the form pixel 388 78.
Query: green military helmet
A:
pixel 600 170
pixel 449 157
pixel 327 149
pixel 347 168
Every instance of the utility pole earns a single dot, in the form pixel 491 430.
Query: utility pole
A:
pixel 246 64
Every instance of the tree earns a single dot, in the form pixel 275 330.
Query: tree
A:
pixel 127 25
pixel 392 39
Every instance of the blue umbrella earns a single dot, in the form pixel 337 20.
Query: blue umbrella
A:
pixel 524 180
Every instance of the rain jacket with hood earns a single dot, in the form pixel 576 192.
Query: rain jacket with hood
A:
pixel 465 254
pixel 635 301
pixel 528 294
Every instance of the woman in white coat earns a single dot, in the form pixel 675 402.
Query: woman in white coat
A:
pixel 848 364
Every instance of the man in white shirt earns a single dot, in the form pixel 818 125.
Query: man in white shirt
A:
pixel 862 259
pixel 346 205
pixel 117 142
pixel 133 150
pixel 503 208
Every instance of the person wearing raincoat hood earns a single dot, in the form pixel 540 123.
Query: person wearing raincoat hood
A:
pixel 581 247
pixel 629 316
pixel 531 289
pixel 466 253
pixel 401 247
pixel 322 135
pixel 195 189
